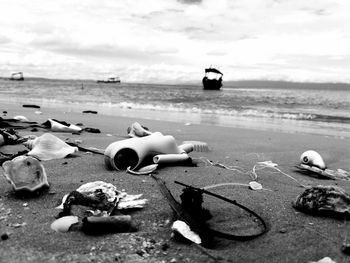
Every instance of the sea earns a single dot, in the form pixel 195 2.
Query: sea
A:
pixel 313 108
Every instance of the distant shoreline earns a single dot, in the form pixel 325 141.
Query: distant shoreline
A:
pixel 272 84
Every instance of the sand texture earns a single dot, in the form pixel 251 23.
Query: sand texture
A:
pixel 292 236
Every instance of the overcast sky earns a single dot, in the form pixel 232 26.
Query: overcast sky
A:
pixel 171 41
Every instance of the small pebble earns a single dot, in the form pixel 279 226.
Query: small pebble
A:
pixel 283 230
pixel 165 246
pixel 4 236
pixel 346 248
pixel 16 225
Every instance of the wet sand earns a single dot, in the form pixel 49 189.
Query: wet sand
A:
pixel 292 236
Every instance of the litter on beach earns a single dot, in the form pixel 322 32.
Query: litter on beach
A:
pixel 191 211
pixel 99 208
pixel 132 153
pixel 183 229
pixel 103 203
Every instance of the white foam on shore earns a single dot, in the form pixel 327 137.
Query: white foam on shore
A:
pixel 252 119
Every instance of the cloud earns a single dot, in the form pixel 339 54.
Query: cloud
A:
pixel 5 40
pixel 106 51
pixel 250 37
pixel 190 1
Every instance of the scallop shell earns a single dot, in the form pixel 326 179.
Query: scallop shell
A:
pixel 48 147
pixel 312 158
pixel 25 173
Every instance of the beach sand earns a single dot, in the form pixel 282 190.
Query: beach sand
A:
pixel 292 236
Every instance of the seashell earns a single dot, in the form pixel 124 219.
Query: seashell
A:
pixel 2 140
pixel 137 130
pixel 312 158
pixel 20 118
pixel 184 230
pixel 25 173
pixel 108 189
pixel 64 223
pixel 123 200
pixel 57 126
pixel 132 201
pixel 48 147
pixel 330 200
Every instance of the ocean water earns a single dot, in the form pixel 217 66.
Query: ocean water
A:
pixel 282 106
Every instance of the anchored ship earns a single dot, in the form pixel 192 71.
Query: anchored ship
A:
pixel 212 79
pixel 17 76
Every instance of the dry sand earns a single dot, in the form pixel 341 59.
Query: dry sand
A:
pixel 292 237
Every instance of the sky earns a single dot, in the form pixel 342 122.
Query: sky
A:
pixel 173 41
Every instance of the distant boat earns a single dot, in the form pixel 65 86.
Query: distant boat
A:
pixel 110 80
pixel 17 76
pixel 212 79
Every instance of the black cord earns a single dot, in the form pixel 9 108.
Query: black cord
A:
pixel 234 202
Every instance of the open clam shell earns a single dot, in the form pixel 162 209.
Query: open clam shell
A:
pixel 25 173
pixel 48 147
pixel 312 158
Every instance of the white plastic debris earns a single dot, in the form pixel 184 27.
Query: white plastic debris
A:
pixel 255 185
pixel 184 230
pixel 324 260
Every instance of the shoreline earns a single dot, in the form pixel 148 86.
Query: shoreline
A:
pixel 260 124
